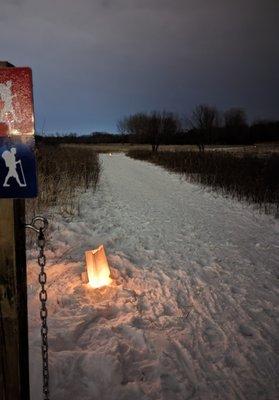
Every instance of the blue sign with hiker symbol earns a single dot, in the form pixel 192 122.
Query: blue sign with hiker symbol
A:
pixel 18 178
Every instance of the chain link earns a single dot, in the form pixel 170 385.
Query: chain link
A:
pixel 43 312
pixel 42 296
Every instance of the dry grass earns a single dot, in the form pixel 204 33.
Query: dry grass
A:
pixel 259 149
pixel 63 172
pixel 111 147
pixel 243 176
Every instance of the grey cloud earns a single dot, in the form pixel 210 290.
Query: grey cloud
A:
pixel 94 61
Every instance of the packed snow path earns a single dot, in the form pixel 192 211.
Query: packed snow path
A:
pixel 193 309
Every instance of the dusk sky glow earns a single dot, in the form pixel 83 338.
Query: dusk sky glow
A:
pixel 95 61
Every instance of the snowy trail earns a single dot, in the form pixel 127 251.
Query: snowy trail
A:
pixel 193 309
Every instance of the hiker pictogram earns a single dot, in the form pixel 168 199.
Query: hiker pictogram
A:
pixel 15 169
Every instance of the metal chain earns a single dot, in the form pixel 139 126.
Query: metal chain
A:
pixel 43 298
pixel 43 312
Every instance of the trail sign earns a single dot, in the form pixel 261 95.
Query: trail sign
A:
pixel 17 157
pixel 16 143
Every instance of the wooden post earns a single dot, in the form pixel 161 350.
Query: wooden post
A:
pixel 14 364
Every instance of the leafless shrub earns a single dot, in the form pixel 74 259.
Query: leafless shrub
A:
pixel 247 177
pixel 62 173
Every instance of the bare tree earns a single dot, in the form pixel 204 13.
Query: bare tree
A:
pixel 235 118
pixel 204 119
pixel 135 126
pixel 162 125
pixel 149 128
pixel 122 126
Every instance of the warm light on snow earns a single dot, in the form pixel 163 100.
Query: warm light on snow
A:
pixel 97 267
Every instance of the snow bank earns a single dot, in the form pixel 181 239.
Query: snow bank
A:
pixel 193 308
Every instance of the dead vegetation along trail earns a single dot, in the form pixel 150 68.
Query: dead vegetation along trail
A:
pixel 243 176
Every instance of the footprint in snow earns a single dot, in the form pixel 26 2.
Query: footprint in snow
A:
pixel 246 330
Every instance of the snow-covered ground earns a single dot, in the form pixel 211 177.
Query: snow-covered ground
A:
pixel 192 312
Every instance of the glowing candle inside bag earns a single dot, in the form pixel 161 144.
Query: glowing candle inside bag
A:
pixel 98 271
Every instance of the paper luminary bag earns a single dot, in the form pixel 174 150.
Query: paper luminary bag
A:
pixel 17 157
pixel 97 269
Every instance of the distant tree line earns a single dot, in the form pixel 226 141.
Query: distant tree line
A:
pixel 93 138
pixel 205 126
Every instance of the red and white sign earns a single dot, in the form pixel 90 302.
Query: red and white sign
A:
pixel 16 102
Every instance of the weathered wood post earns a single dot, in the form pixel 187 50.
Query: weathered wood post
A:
pixel 16 183
pixel 14 377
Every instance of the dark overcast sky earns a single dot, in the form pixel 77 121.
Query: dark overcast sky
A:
pixel 94 61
